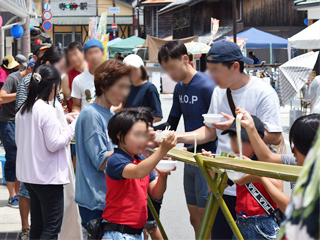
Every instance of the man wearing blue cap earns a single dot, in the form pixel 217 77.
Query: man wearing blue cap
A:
pixel 235 88
pixel 7 126
pixel 83 89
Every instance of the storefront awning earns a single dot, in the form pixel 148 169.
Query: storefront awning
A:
pixel 15 7
pixel 80 21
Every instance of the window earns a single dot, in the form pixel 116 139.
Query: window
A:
pixel 66 38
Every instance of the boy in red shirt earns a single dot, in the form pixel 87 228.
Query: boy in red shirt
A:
pixel 252 220
pixel 129 177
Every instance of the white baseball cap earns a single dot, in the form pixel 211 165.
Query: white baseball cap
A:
pixel 133 60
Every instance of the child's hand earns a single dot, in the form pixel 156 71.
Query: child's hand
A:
pixel 247 120
pixel 169 142
pixel 224 125
pixel 207 154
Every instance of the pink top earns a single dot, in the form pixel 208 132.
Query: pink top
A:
pixel 41 141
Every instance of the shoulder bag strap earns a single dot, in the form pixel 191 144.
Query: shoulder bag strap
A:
pixel 263 202
pixel 231 103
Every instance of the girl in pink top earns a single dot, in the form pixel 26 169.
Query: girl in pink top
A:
pixel 41 157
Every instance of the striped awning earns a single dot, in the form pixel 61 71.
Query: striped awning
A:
pixel 294 74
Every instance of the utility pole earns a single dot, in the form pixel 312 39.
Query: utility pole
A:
pixel 25 40
pixel 234 13
pixel 114 16
pixel 43 2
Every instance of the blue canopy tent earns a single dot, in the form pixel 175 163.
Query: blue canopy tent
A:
pixel 260 39
pixel 114 41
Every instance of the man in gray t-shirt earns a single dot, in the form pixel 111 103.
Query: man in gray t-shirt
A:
pixel 8 95
pixel 7 128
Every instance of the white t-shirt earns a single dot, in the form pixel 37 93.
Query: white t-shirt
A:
pixel 259 99
pixel 83 88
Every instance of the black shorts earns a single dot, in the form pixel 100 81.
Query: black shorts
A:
pixel 157 205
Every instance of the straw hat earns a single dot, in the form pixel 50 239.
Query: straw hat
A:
pixel 8 62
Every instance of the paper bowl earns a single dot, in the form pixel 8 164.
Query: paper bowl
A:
pixel 161 135
pixel 233 175
pixel 166 165
pixel 212 118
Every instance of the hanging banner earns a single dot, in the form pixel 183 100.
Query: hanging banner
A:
pixel 214 27
pixel 104 41
pixel 240 41
pixel 102 28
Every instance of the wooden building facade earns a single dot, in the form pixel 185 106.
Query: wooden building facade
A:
pixel 156 25
pixel 192 17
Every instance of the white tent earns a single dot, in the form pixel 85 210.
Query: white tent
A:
pixel 308 38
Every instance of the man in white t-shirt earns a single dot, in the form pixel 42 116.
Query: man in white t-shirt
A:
pixel 83 89
pixel 226 64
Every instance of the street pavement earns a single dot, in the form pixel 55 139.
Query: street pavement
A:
pixel 174 213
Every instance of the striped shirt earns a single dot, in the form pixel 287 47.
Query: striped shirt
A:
pixel 22 92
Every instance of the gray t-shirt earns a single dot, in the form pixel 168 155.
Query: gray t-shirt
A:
pixel 8 112
pixel 289 160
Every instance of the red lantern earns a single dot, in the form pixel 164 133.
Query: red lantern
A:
pixel 38 41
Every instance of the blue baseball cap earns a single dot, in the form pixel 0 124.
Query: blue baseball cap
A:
pixel 225 51
pixel 31 63
pixel 93 43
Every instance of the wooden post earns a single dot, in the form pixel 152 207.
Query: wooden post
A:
pixel 234 13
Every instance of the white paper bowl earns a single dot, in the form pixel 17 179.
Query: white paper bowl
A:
pixel 212 118
pixel 166 165
pixel 161 135
pixel 233 175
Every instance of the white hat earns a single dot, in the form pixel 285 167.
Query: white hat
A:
pixel 133 60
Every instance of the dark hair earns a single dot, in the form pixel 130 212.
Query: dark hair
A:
pixel 122 122
pixel 250 53
pixel 172 49
pixel 49 77
pixel 147 113
pixel 229 65
pixel 73 46
pixel 144 74
pixel 52 55
pixel 108 73
pixel 303 132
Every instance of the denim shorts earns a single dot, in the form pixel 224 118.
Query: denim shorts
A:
pixel 121 236
pixel 195 186
pixel 9 143
pixel 258 228
pixel 23 191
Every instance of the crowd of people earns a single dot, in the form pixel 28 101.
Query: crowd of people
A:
pixel 75 128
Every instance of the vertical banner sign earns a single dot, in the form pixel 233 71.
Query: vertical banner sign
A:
pixel 104 40
pixel 90 28
pixel 214 27
pixel 93 27
pixel 102 28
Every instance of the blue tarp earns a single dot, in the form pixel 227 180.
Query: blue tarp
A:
pixel 259 39
pixel 114 41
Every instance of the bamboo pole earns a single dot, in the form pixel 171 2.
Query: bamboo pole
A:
pixel 218 197
pixel 157 219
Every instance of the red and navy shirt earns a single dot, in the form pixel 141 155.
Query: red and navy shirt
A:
pixel 126 199
pixel 248 204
